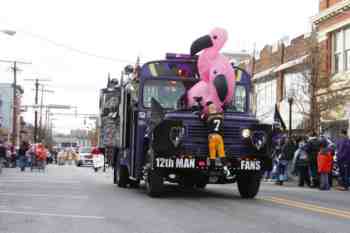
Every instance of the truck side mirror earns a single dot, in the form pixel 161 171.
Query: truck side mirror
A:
pixel 129 69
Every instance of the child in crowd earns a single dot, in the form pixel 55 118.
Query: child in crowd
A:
pixel 324 164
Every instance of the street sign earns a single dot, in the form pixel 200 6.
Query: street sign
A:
pixel 58 106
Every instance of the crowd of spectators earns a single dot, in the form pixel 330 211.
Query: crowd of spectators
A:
pixel 316 160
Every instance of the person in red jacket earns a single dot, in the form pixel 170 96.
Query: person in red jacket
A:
pixel 324 164
pixel 95 151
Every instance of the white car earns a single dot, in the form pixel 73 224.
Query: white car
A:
pixel 85 157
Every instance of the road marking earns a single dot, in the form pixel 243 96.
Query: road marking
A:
pixel 50 214
pixel 311 207
pixel 85 197
pixel 39 181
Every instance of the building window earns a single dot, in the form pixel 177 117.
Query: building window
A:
pixel 266 97
pixel 341 50
pixel 296 85
pixel 347 48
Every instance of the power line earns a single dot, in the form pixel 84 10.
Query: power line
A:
pixel 76 50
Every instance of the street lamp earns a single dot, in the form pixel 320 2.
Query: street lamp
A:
pixel 290 101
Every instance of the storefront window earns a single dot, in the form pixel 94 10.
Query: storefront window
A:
pixel 266 90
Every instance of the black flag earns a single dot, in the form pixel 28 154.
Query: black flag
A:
pixel 278 119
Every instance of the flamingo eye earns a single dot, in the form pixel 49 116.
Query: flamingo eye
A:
pixel 215 37
pixel 215 72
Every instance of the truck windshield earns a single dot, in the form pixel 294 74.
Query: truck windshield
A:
pixel 239 103
pixel 171 94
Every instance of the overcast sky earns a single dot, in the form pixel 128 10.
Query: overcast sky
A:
pixel 124 30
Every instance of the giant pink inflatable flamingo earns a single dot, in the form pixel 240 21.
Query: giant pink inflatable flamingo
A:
pixel 216 73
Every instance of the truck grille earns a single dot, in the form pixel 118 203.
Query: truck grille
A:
pixel 231 133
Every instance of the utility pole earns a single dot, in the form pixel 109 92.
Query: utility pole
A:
pixel 36 111
pixel 36 100
pixel 41 111
pixel 48 107
pixel 14 120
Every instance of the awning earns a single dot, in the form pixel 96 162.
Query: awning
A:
pixel 292 63
pixel 264 73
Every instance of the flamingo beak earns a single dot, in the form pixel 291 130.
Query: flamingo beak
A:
pixel 220 84
pixel 200 44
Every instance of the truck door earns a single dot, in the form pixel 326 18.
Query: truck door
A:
pixel 133 140
pixel 125 121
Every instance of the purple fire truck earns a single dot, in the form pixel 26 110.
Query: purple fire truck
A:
pixel 162 140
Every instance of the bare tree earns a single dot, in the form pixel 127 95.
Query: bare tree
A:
pixel 319 92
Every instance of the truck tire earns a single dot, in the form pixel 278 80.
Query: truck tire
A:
pixel 122 176
pixel 202 182
pixel 134 184
pixel 154 184
pixel 201 185
pixel 114 175
pixel 248 184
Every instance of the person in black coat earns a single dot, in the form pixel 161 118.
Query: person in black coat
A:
pixel 313 146
pixel 301 165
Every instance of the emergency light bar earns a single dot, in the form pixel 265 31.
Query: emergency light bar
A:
pixel 178 56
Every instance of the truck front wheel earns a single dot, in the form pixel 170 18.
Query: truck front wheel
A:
pixel 248 183
pixel 154 184
pixel 122 176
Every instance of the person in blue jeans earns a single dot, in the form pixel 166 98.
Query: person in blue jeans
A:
pixel 282 164
pixel 22 155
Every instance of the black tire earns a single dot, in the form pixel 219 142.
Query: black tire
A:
pixel 134 184
pixel 154 184
pixel 202 182
pixel 96 169
pixel 187 183
pixel 248 183
pixel 201 185
pixel 115 175
pixel 122 176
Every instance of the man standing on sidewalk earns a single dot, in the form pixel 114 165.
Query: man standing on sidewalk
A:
pixel 343 159
pixel 312 148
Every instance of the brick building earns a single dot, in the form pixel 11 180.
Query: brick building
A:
pixel 278 74
pixel 280 69
pixel 333 26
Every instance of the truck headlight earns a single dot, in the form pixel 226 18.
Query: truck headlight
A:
pixel 246 133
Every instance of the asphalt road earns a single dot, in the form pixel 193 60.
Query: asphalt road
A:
pixel 70 199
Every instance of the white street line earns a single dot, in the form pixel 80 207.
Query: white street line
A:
pixel 40 181
pixel 83 197
pixel 50 214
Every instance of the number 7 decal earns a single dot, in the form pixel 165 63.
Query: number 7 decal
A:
pixel 217 123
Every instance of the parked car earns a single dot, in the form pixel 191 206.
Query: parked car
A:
pixel 84 157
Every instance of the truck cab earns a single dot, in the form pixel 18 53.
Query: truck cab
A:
pixel 162 139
